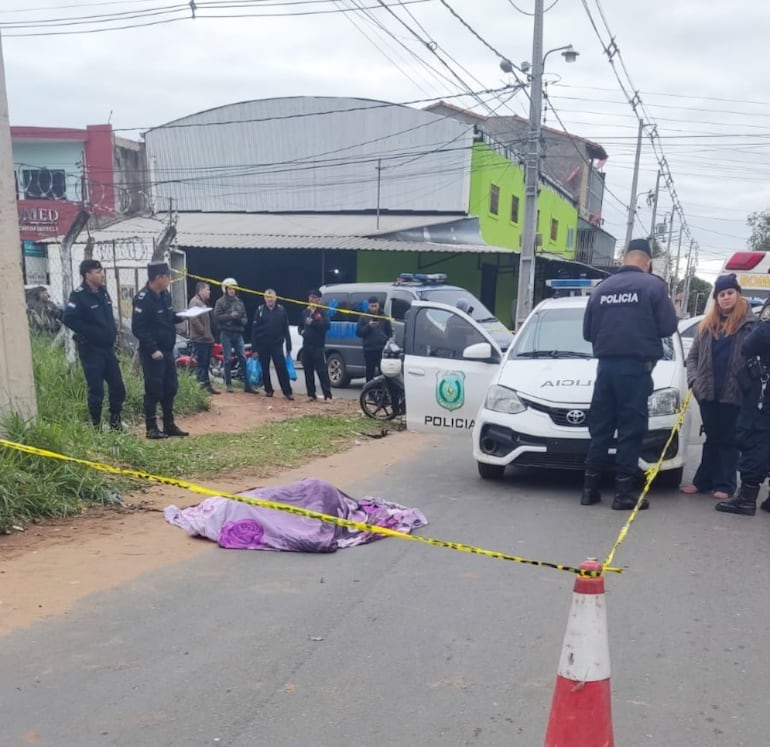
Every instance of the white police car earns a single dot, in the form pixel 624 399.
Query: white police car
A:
pixel 528 407
pixel 536 408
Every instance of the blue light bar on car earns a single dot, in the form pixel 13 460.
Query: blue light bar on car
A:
pixel 572 283
pixel 434 278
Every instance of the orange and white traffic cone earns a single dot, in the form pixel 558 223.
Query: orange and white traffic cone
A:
pixel 581 710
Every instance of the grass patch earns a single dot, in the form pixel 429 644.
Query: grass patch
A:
pixel 280 444
pixel 34 488
pixel 61 390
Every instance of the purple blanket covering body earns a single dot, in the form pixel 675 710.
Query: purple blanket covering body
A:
pixel 243 526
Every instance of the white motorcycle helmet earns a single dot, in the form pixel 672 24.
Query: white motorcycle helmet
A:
pixel 229 282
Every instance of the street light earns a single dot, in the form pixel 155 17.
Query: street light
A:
pixel 526 290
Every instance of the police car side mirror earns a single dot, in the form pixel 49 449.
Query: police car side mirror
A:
pixel 481 351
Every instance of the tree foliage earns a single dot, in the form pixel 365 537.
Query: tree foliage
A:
pixel 759 223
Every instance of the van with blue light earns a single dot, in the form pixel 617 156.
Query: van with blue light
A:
pixel 345 302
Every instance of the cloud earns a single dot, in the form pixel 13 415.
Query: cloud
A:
pixel 148 76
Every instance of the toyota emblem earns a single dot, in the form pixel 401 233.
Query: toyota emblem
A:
pixel 576 417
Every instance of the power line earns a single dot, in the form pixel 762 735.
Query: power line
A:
pixel 178 124
pixel 184 10
pixel 612 51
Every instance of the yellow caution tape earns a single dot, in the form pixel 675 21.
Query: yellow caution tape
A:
pixel 285 299
pixel 650 475
pixel 296 510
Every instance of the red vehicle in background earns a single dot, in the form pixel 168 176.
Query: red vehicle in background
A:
pixel 185 359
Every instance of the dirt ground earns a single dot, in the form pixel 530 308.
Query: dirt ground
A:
pixel 46 569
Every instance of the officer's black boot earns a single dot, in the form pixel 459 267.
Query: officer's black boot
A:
pixel 591 493
pixel 765 505
pixel 116 424
pixel 153 431
pixel 172 429
pixel 745 503
pixel 627 494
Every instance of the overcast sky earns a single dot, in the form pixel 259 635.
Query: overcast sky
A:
pixel 699 69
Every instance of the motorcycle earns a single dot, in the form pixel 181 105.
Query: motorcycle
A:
pixel 384 398
pixel 217 364
pixel 185 359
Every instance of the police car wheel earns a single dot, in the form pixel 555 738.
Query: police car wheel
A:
pixel 490 471
pixel 338 371
pixel 671 478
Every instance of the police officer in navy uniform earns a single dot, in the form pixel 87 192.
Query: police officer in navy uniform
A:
pixel 313 326
pixel 153 323
pixel 626 318
pixel 89 315
pixel 753 428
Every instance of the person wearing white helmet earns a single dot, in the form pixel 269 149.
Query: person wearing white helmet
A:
pixel 230 314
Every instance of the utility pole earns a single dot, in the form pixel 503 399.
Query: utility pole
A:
pixel 78 224
pixel 526 290
pixel 687 277
pixel 634 187
pixel 17 380
pixel 678 258
pixel 379 185
pixel 667 268
pixel 653 232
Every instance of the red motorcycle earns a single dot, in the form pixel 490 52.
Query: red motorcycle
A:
pixel 217 365
pixel 185 359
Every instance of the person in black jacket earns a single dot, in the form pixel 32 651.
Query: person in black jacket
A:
pixel 375 330
pixel 89 315
pixel 153 323
pixel 268 334
pixel 753 430
pixel 313 327
pixel 626 319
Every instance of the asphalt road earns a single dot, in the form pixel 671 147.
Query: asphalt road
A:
pixel 398 643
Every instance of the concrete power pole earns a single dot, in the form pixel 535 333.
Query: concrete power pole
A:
pixel 654 201
pixel 667 276
pixel 634 187
pixel 675 280
pixel 78 224
pixel 688 276
pixel 17 381
pixel 526 290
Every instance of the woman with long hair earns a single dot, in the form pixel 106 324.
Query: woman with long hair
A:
pixel 712 371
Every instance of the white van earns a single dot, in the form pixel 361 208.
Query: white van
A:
pixel 752 270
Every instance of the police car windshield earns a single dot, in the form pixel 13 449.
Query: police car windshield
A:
pixel 558 333
pixel 474 308
pixel 554 333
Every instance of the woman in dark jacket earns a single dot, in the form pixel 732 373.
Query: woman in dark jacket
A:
pixel 712 371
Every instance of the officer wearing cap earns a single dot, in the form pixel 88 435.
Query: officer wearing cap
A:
pixel 153 323
pixel 89 315
pixel 626 318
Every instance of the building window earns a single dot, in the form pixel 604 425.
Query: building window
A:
pixel 514 209
pixel 494 199
pixel 570 238
pixel 44 184
pixel 554 229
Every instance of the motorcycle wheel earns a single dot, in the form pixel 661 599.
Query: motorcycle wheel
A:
pixel 377 404
pixel 217 368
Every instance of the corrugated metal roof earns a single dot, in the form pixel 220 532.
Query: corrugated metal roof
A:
pixel 312 153
pixel 253 231
pixel 266 241
pixel 284 224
